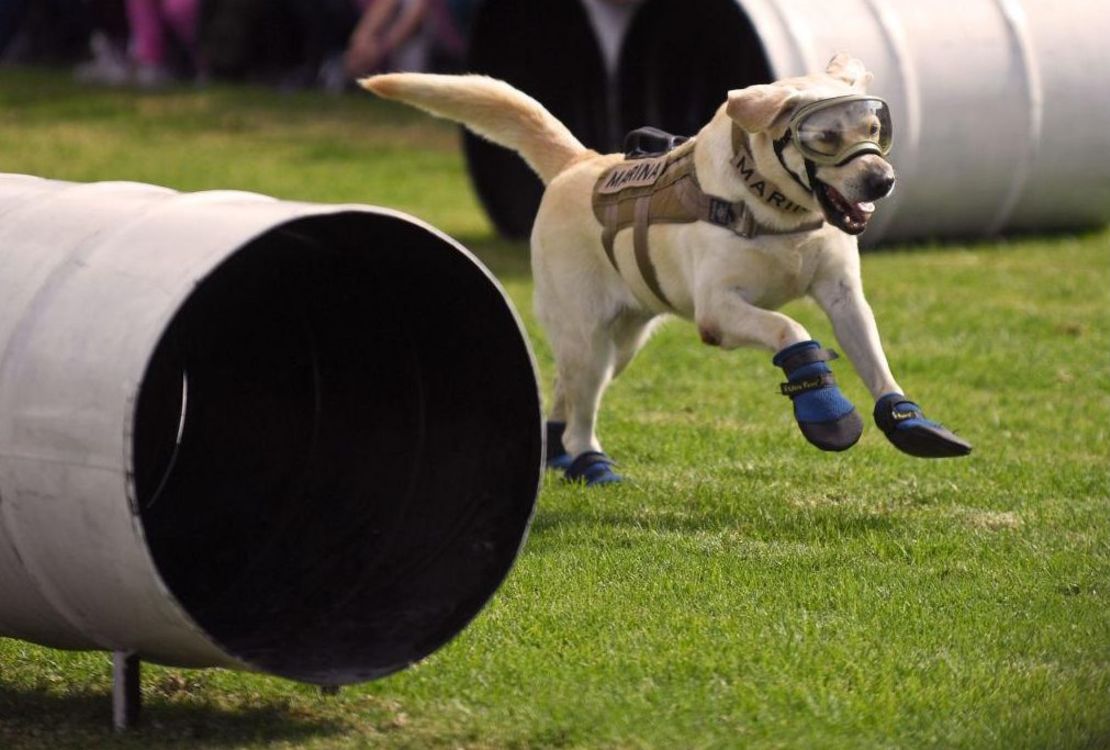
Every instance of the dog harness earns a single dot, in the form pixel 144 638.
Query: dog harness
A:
pixel 662 188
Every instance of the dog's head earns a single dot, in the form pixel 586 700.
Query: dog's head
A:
pixel 829 136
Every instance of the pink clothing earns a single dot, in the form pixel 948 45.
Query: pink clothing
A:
pixel 150 21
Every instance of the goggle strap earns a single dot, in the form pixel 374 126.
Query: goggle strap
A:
pixel 811 172
pixel 813 107
pixel 780 146
pixel 860 149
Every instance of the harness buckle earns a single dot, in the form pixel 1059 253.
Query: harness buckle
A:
pixel 721 213
pixel 646 142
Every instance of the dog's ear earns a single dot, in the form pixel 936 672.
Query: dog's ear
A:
pixel 849 69
pixel 760 107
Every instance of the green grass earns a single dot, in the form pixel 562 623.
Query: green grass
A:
pixel 743 589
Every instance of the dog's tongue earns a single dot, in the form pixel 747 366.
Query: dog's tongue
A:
pixel 857 212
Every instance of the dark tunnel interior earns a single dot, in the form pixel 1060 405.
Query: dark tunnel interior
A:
pixel 337 447
pixel 681 58
pixel 547 50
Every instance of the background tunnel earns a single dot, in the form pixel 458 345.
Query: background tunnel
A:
pixel 996 118
pixel 548 50
pixel 679 61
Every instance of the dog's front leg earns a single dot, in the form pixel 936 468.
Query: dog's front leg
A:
pixel 826 418
pixel 854 324
pixel 841 296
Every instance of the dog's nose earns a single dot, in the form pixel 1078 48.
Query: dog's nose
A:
pixel 879 185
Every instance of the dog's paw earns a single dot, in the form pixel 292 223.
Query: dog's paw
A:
pixel 904 424
pixel 557 456
pixel 593 468
pixel 826 418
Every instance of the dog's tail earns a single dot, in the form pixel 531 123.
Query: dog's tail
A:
pixel 493 109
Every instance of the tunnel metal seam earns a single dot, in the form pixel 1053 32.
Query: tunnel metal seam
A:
pixel 897 43
pixel 1017 27
pixel 801 36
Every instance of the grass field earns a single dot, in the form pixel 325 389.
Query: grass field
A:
pixel 743 589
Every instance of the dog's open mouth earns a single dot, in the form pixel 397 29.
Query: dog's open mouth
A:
pixel 840 212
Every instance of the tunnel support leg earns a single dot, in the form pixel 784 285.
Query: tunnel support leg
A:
pixel 127 698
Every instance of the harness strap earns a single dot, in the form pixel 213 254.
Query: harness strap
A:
pixel 780 146
pixel 641 220
pixel 611 224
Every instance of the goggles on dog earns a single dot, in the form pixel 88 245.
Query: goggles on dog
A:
pixel 834 131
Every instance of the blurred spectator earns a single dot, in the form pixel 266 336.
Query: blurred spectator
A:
pixel 158 44
pixel 390 34
pixel 405 35
pixel 287 42
pixel 11 17
pixel 452 31
pixel 43 31
pixel 108 38
pixel 255 40
pixel 155 26
pixel 325 26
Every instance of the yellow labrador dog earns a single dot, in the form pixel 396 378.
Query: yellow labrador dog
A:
pixel 761 207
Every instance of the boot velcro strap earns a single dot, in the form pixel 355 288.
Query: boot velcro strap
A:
pixel 588 459
pixel 807 357
pixel 815 383
pixel 890 417
pixel 582 466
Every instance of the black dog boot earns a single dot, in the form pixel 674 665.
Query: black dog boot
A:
pixel 557 456
pixel 825 416
pixel 594 468
pixel 904 424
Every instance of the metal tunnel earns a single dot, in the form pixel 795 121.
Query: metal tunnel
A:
pixel 241 432
pixel 999 119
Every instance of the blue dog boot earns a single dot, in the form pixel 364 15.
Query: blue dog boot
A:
pixel 593 468
pixel 825 416
pixel 557 456
pixel 903 423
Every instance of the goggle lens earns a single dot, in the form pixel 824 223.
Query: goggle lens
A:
pixel 827 132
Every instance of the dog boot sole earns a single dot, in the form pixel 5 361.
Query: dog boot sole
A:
pixel 928 441
pixel 837 435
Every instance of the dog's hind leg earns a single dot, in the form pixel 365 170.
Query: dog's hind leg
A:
pixel 628 332
pixel 557 456
pixel 585 366
pixel 585 372
pixel 631 330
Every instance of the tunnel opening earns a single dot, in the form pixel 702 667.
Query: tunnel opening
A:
pixel 551 54
pixel 337 447
pixel 681 58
